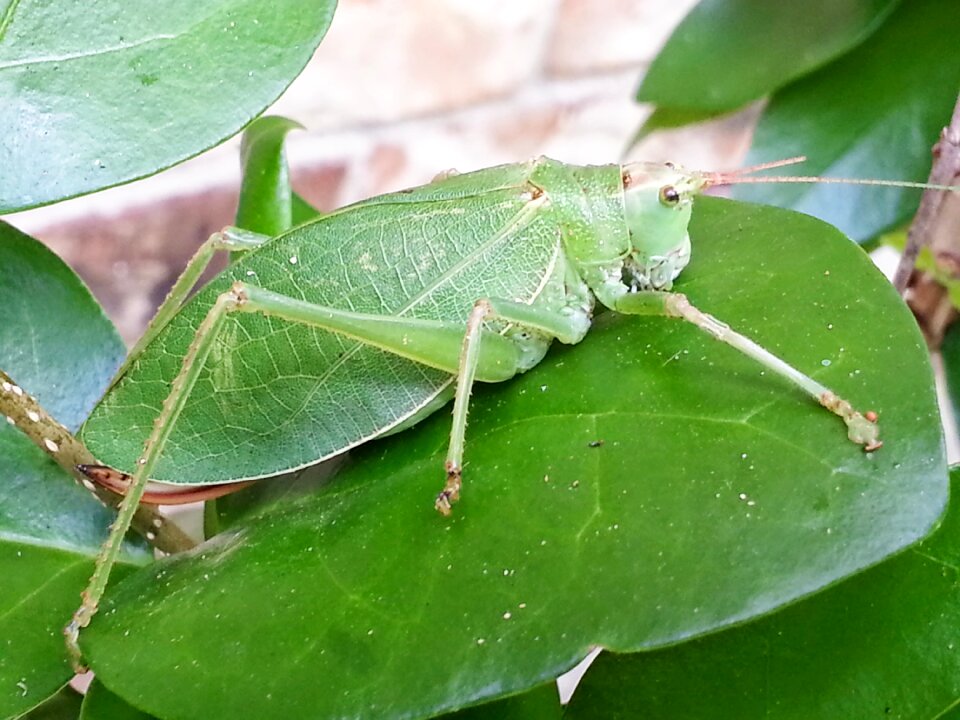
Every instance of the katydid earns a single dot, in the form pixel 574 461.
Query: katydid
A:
pixel 366 320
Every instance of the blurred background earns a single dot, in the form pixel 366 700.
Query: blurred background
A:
pixel 452 84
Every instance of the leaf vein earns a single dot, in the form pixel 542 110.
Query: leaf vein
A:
pixel 108 50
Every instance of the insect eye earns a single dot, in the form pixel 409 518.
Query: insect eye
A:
pixel 669 195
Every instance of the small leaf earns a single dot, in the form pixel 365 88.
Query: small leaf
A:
pixel 265 196
pixel 866 116
pixel 96 94
pixel 644 487
pixel 56 342
pixel 726 53
pixel 302 211
pixel 883 644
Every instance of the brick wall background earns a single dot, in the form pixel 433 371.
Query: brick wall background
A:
pixel 398 91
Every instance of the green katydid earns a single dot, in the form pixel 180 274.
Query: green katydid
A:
pixel 397 303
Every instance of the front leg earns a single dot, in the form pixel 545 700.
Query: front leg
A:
pixel 861 428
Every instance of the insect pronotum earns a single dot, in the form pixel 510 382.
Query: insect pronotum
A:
pixel 398 303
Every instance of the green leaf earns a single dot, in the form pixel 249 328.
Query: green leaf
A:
pixel 541 703
pixel 101 704
pixel 64 705
pixel 866 116
pixel 726 53
pixel 96 94
pixel 266 203
pixel 54 338
pixel 644 487
pixel 302 211
pixel 55 342
pixel 883 644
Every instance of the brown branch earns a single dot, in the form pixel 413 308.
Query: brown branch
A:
pixel 24 412
pixel 945 171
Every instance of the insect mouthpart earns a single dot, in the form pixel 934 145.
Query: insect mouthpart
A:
pixel 655 272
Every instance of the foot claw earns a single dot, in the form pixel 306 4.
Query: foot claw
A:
pixel 864 431
pixel 451 491
pixel 861 429
pixel 443 504
pixel 81 618
pixel 72 633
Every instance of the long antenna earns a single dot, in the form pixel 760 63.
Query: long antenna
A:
pixel 728 180
pixel 749 169
pixel 740 177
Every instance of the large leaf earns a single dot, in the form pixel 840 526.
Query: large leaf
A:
pixel 726 53
pixel 56 342
pixel 866 116
pixel 884 644
pixel 95 94
pixel 642 488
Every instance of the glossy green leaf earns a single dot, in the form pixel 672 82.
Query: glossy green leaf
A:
pixel 644 487
pixel 101 704
pixel 874 113
pixel 726 53
pixel 96 94
pixel 266 202
pixel 55 342
pixel 883 644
